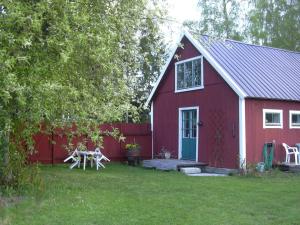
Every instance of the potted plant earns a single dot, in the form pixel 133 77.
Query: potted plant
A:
pixel 166 154
pixel 133 152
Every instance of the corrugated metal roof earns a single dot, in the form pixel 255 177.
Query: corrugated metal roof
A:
pixel 260 71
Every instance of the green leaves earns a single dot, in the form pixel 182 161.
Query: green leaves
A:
pixel 66 61
pixel 218 19
pixel 276 23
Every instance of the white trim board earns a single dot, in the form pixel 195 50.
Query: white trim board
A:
pixel 164 69
pixel 242 134
pixel 180 130
pixel 216 66
pixel 236 88
pixel 152 132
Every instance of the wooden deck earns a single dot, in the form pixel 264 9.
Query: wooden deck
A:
pixel 171 164
pixel 292 167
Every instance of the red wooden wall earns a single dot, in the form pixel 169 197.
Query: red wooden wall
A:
pixel 256 135
pixel 56 153
pixel 218 110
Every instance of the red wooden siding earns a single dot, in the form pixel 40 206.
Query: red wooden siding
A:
pixel 256 135
pixel 140 133
pixel 218 110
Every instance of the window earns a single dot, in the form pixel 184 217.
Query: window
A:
pixel 294 119
pixel 189 123
pixel 272 118
pixel 188 74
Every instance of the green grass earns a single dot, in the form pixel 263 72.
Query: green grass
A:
pixel 130 195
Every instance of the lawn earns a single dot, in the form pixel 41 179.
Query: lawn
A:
pixel 131 195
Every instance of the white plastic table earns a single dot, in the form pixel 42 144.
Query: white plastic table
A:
pixel 85 154
pixel 97 155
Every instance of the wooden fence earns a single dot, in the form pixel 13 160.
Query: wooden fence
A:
pixel 50 148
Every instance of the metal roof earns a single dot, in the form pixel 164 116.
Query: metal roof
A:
pixel 250 70
pixel 260 71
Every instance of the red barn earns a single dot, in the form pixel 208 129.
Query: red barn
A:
pixel 220 101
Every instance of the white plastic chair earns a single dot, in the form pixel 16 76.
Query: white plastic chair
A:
pixel 291 151
pixel 98 157
pixel 75 157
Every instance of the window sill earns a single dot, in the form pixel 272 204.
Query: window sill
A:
pixel 292 127
pixel 272 127
pixel 189 89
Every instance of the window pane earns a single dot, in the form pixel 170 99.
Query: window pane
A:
pixel 194 134
pixel 273 119
pixel 186 124
pixel 194 115
pixel 276 118
pixel 197 72
pixel 186 133
pixel 188 74
pixel 268 117
pixel 180 76
pixel 296 119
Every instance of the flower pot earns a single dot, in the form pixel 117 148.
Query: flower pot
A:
pixel 167 155
pixel 133 157
pixel 133 153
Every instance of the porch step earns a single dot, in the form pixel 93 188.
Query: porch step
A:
pixel 197 172
pixel 190 170
pixel 207 175
pixel 200 165
pixel 172 164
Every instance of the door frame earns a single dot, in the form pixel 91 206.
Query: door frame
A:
pixel 180 130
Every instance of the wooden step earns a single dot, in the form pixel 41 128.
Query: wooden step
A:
pixel 200 165
pixel 190 170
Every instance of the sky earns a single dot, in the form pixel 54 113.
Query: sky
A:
pixel 179 11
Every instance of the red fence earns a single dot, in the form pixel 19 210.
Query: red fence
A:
pixel 50 148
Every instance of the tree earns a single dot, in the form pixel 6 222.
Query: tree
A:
pixel 63 62
pixel 275 23
pixel 151 56
pixel 218 19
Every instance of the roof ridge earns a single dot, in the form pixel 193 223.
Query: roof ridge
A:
pixel 255 45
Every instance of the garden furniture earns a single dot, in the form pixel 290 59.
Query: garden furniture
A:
pixel 291 151
pixel 75 157
pixel 94 156
pixel 98 157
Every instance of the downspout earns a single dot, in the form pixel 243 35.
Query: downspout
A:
pixel 242 133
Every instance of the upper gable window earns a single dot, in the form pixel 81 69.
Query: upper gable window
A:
pixel 272 118
pixel 189 74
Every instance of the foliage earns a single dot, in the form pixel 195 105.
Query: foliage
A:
pixel 151 55
pixel 132 195
pixel 218 19
pixel 275 23
pixel 132 147
pixel 63 62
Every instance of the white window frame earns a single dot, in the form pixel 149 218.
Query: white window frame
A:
pixel 291 112
pixel 202 73
pixel 272 111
